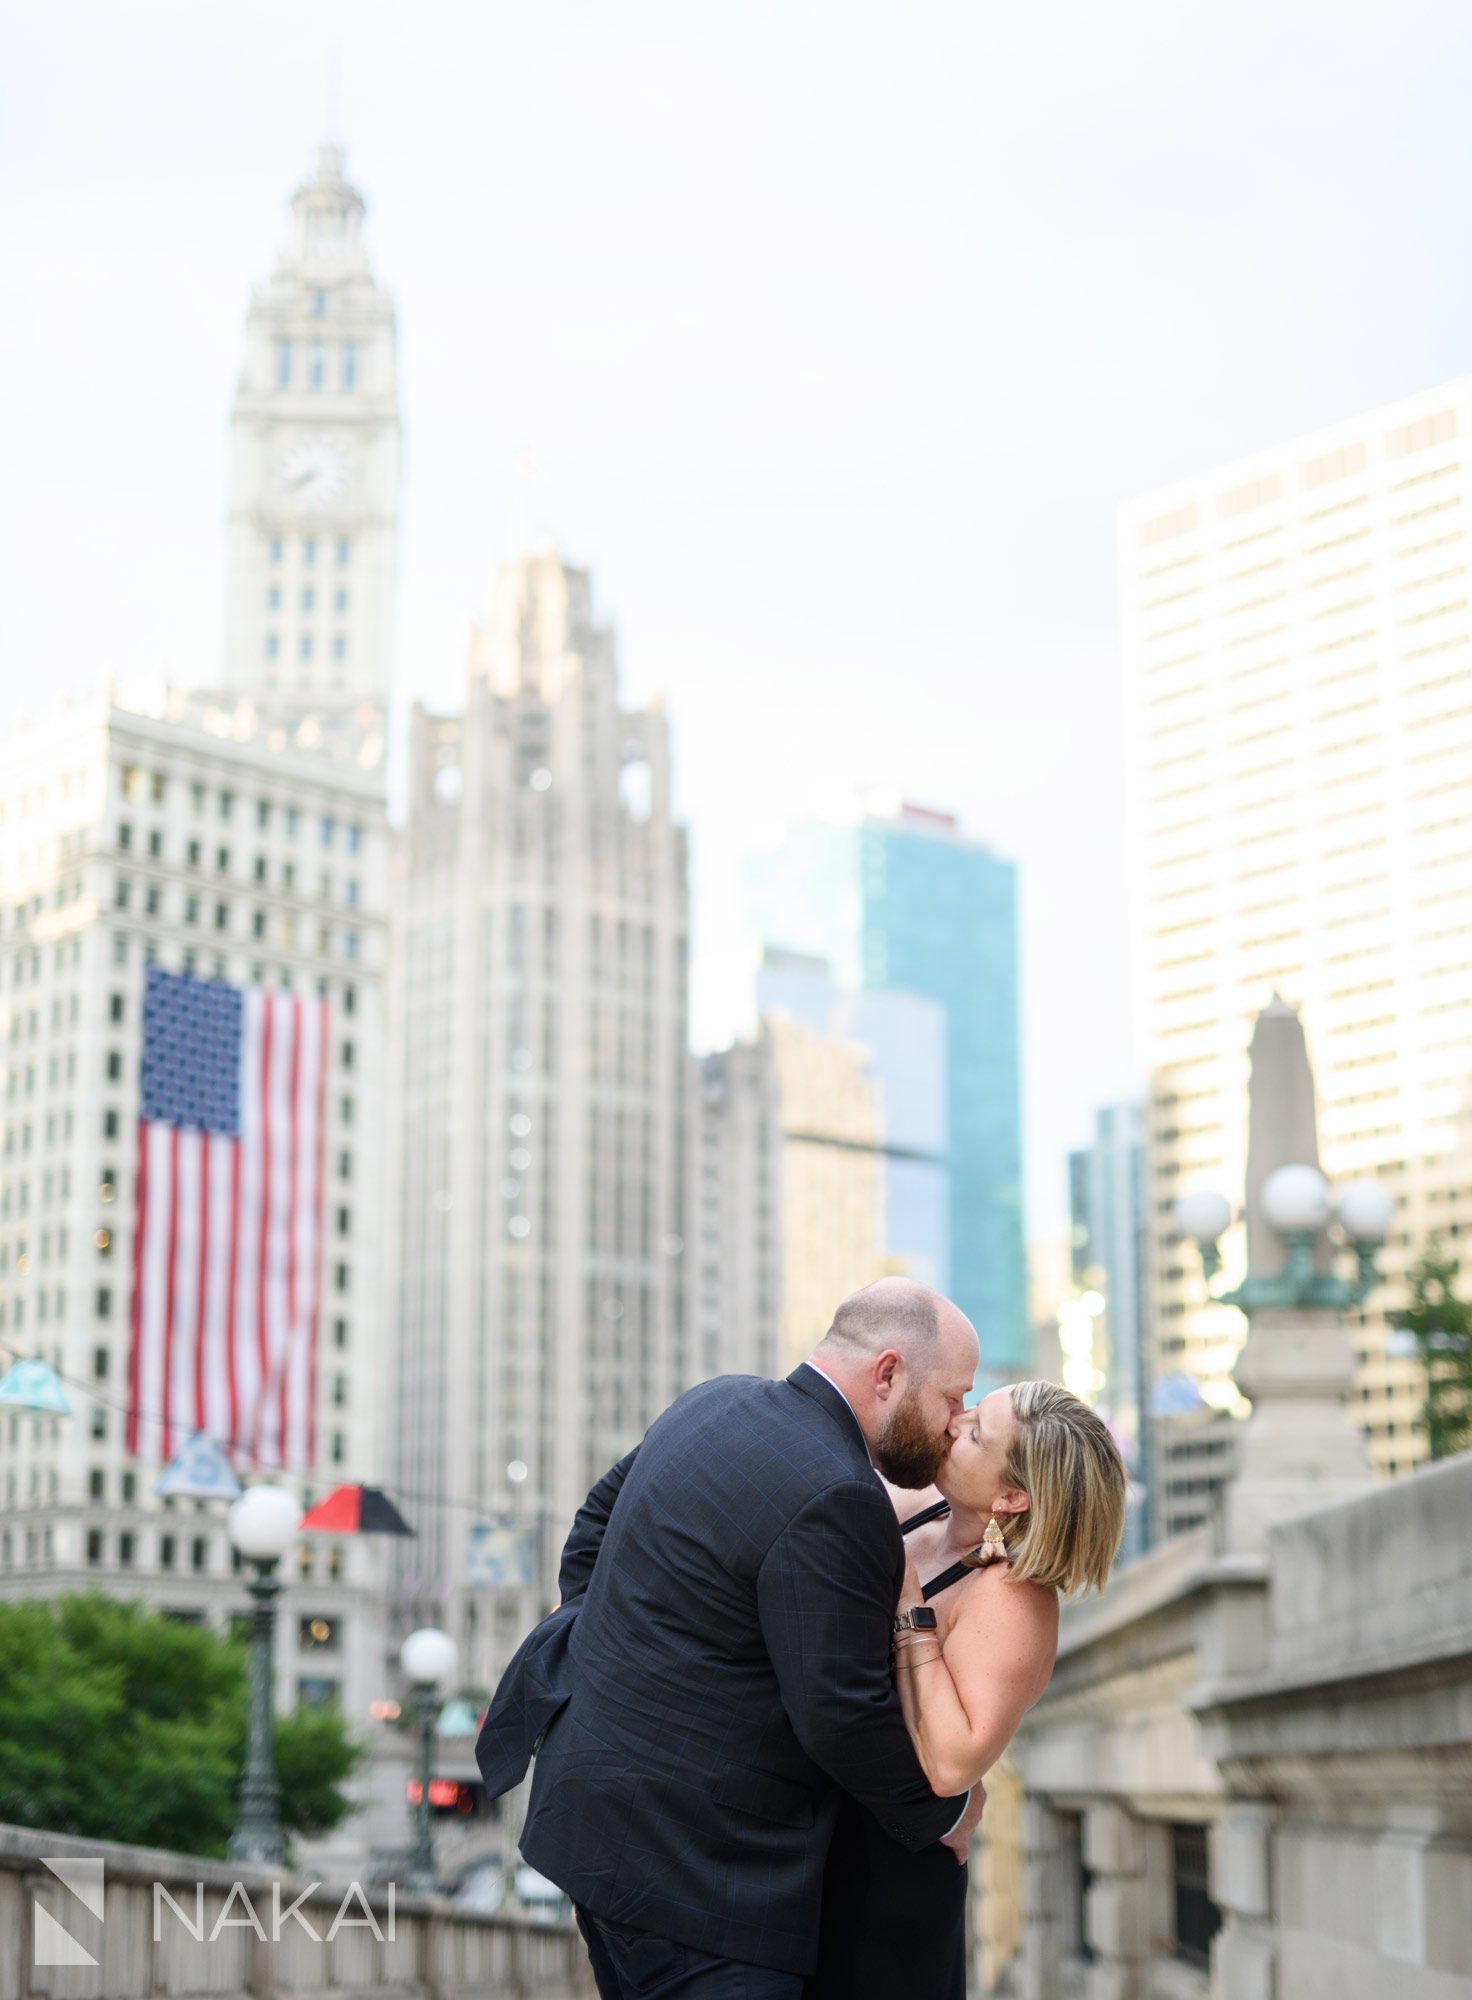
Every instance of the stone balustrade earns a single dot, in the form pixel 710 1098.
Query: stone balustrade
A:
pixel 130 1923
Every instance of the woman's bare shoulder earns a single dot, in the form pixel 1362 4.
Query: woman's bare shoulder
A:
pixel 1009 1607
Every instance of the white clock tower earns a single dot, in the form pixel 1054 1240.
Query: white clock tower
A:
pixel 314 482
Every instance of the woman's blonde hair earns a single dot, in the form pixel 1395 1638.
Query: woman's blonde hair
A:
pixel 1070 1468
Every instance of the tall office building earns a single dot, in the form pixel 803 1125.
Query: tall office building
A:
pixel 1298 651
pixel 539 1129
pixel 734 1212
pixel 901 1039
pixel 1106 1200
pixel 314 483
pixel 832 1176
pixel 178 837
pixel 902 902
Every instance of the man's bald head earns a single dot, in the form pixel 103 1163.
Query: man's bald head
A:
pixel 904 1358
pixel 892 1312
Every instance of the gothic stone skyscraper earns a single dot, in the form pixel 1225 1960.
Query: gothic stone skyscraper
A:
pixel 314 482
pixel 540 1073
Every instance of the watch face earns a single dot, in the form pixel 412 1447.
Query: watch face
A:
pixel 313 473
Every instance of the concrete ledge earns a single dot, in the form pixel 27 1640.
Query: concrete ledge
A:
pixel 174 1928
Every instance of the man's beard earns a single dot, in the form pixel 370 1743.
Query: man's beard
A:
pixel 905 1451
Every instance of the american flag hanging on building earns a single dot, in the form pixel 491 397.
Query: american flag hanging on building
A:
pixel 227 1256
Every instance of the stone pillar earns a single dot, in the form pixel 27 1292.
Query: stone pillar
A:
pixel 1116 1919
pixel 1244 1956
pixel 1300 1449
pixel 1045 1942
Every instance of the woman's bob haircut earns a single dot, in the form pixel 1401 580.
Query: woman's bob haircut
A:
pixel 1067 1463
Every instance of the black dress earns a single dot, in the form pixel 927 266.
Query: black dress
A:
pixel 894 1922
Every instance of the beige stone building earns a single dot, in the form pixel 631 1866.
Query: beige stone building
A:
pixel 832 1177
pixel 1297 632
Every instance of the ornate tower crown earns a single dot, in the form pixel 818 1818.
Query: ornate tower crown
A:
pixel 314 481
pixel 327 218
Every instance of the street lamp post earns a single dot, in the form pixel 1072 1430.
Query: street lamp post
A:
pixel 429 1658
pixel 262 1523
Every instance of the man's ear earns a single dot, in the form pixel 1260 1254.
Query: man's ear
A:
pixel 887 1367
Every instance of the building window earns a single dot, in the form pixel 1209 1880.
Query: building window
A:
pixel 306 646
pixel 277 549
pixel 283 364
pixel 309 549
pixel 114 1066
pixel 319 304
pixel 339 647
pixel 150 901
pixel 309 599
pixel 97 1484
pixel 316 365
pixel 1197 1917
pixel 199 1554
pixel 340 601
pixel 94 1547
pixel 350 364
pixel 227 804
pixel 344 548
pixel 166 1547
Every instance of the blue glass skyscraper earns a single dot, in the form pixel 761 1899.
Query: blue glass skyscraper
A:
pixel 905 903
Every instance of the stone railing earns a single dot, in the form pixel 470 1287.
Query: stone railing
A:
pixel 107 1922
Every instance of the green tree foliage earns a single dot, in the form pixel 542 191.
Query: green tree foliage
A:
pixel 119 1724
pixel 1442 1326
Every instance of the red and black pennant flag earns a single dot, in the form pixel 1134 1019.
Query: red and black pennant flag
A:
pixel 356 1510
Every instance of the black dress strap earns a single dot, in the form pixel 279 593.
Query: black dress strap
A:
pixel 926 1515
pixel 944 1581
pixel 957 1569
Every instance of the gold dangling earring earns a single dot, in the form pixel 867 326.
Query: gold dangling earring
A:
pixel 992 1548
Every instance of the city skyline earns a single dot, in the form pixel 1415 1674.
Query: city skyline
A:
pixel 701 453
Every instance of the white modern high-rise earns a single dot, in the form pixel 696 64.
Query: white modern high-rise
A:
pixel 539 1121
pixel 1298 650
pixel 176 836
pixel 313 510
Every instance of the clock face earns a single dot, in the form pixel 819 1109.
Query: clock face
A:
pixel 313 472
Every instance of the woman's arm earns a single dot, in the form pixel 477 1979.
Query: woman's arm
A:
pixel 962 1703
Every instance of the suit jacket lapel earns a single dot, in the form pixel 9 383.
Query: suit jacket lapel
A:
pixel 813 1383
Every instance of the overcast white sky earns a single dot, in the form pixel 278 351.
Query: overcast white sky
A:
pixel 835 331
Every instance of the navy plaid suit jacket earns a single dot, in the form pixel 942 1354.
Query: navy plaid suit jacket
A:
pixel 724 1677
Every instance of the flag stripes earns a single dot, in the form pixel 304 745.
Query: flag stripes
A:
pixel 228 1245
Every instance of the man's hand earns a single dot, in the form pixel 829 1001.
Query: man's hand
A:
pixel 958 1840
